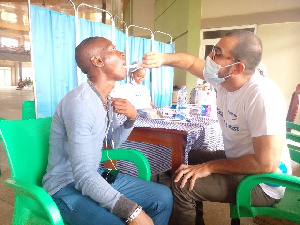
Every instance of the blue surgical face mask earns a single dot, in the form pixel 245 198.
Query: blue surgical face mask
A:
pixel 211 70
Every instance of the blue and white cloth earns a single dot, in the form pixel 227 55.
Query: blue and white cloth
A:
pixel 203 133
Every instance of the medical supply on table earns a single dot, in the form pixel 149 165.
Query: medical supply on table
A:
pixel 135 66
pixel 169 111
pixel 149 113
pixel 198 89
pixel 181 103
pixel 206 101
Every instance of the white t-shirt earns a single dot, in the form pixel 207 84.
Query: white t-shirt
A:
pixel 137 94
pixel 257 108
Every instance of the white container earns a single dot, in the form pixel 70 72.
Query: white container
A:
pixel 203 98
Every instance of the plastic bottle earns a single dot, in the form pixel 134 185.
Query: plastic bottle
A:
pixel 181 103
pixel 213 99
pixel 204 103
pixel 198 91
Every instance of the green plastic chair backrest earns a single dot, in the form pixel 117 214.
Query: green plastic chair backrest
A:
pixel 28 110
pixel 27 155
pixel 295 137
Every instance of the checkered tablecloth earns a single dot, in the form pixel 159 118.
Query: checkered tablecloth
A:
pixel 203 133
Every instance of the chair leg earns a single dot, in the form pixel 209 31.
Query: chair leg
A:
pixel 199 213
pixel 157 178
pixel 235 221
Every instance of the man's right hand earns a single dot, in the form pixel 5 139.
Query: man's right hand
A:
pixel 184 61
pixel 142 219
pixel 153 59
pixel 123 106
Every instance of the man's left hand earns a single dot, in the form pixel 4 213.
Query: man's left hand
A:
pixel 192 172
pixel 124 107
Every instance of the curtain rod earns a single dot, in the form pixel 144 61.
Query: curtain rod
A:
pixel 122 21
pixel 157 31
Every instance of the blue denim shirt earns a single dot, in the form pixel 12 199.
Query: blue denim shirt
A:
pixel 76 140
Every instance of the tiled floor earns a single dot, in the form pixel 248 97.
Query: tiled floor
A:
pixel 11 108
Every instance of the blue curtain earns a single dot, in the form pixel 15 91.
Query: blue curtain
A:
pixel 162 78
pixel 89 28
pixel 158 80
pixel 53 41
pixel 120 45
pixel 137 48
pixel 53 48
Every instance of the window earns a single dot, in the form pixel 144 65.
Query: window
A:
pixel 5 76
pixel 9 42
pixel 9 17
pixel 27 72
pixel 27 45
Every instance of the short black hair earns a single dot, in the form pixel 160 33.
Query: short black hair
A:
pixel 247 50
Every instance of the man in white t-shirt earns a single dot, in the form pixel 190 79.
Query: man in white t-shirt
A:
pixel 251 112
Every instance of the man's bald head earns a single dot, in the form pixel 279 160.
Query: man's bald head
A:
pixel 92 46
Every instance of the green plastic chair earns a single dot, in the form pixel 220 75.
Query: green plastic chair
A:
pixel 28 110
pixel 0 120
pixel 289 206
pixel 0 143
pixel 26 143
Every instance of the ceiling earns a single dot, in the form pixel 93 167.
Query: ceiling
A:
pixel 14 14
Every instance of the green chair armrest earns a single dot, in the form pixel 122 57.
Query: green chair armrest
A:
pixel 131 155
pixel 246 185
pixel 39 195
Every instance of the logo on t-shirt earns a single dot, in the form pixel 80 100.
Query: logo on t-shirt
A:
pixel 232 120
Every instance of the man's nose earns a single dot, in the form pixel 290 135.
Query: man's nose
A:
pixel 211 55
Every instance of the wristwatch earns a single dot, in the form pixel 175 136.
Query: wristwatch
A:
pixel 134 214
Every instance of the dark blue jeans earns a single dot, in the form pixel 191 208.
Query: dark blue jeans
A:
pixel 155 199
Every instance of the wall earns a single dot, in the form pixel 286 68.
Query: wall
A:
pixel 142 15
pixel 281 55
pixel 181 19
pixel 278 26
pixel 180 46
pixel 213 9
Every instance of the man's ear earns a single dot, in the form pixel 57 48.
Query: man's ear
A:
pixel 239 68
pixel 97 62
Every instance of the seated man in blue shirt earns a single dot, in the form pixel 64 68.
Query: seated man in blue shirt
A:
pixel 83 122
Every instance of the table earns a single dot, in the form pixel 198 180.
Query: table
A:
pixel 166 143
pixel 163 137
